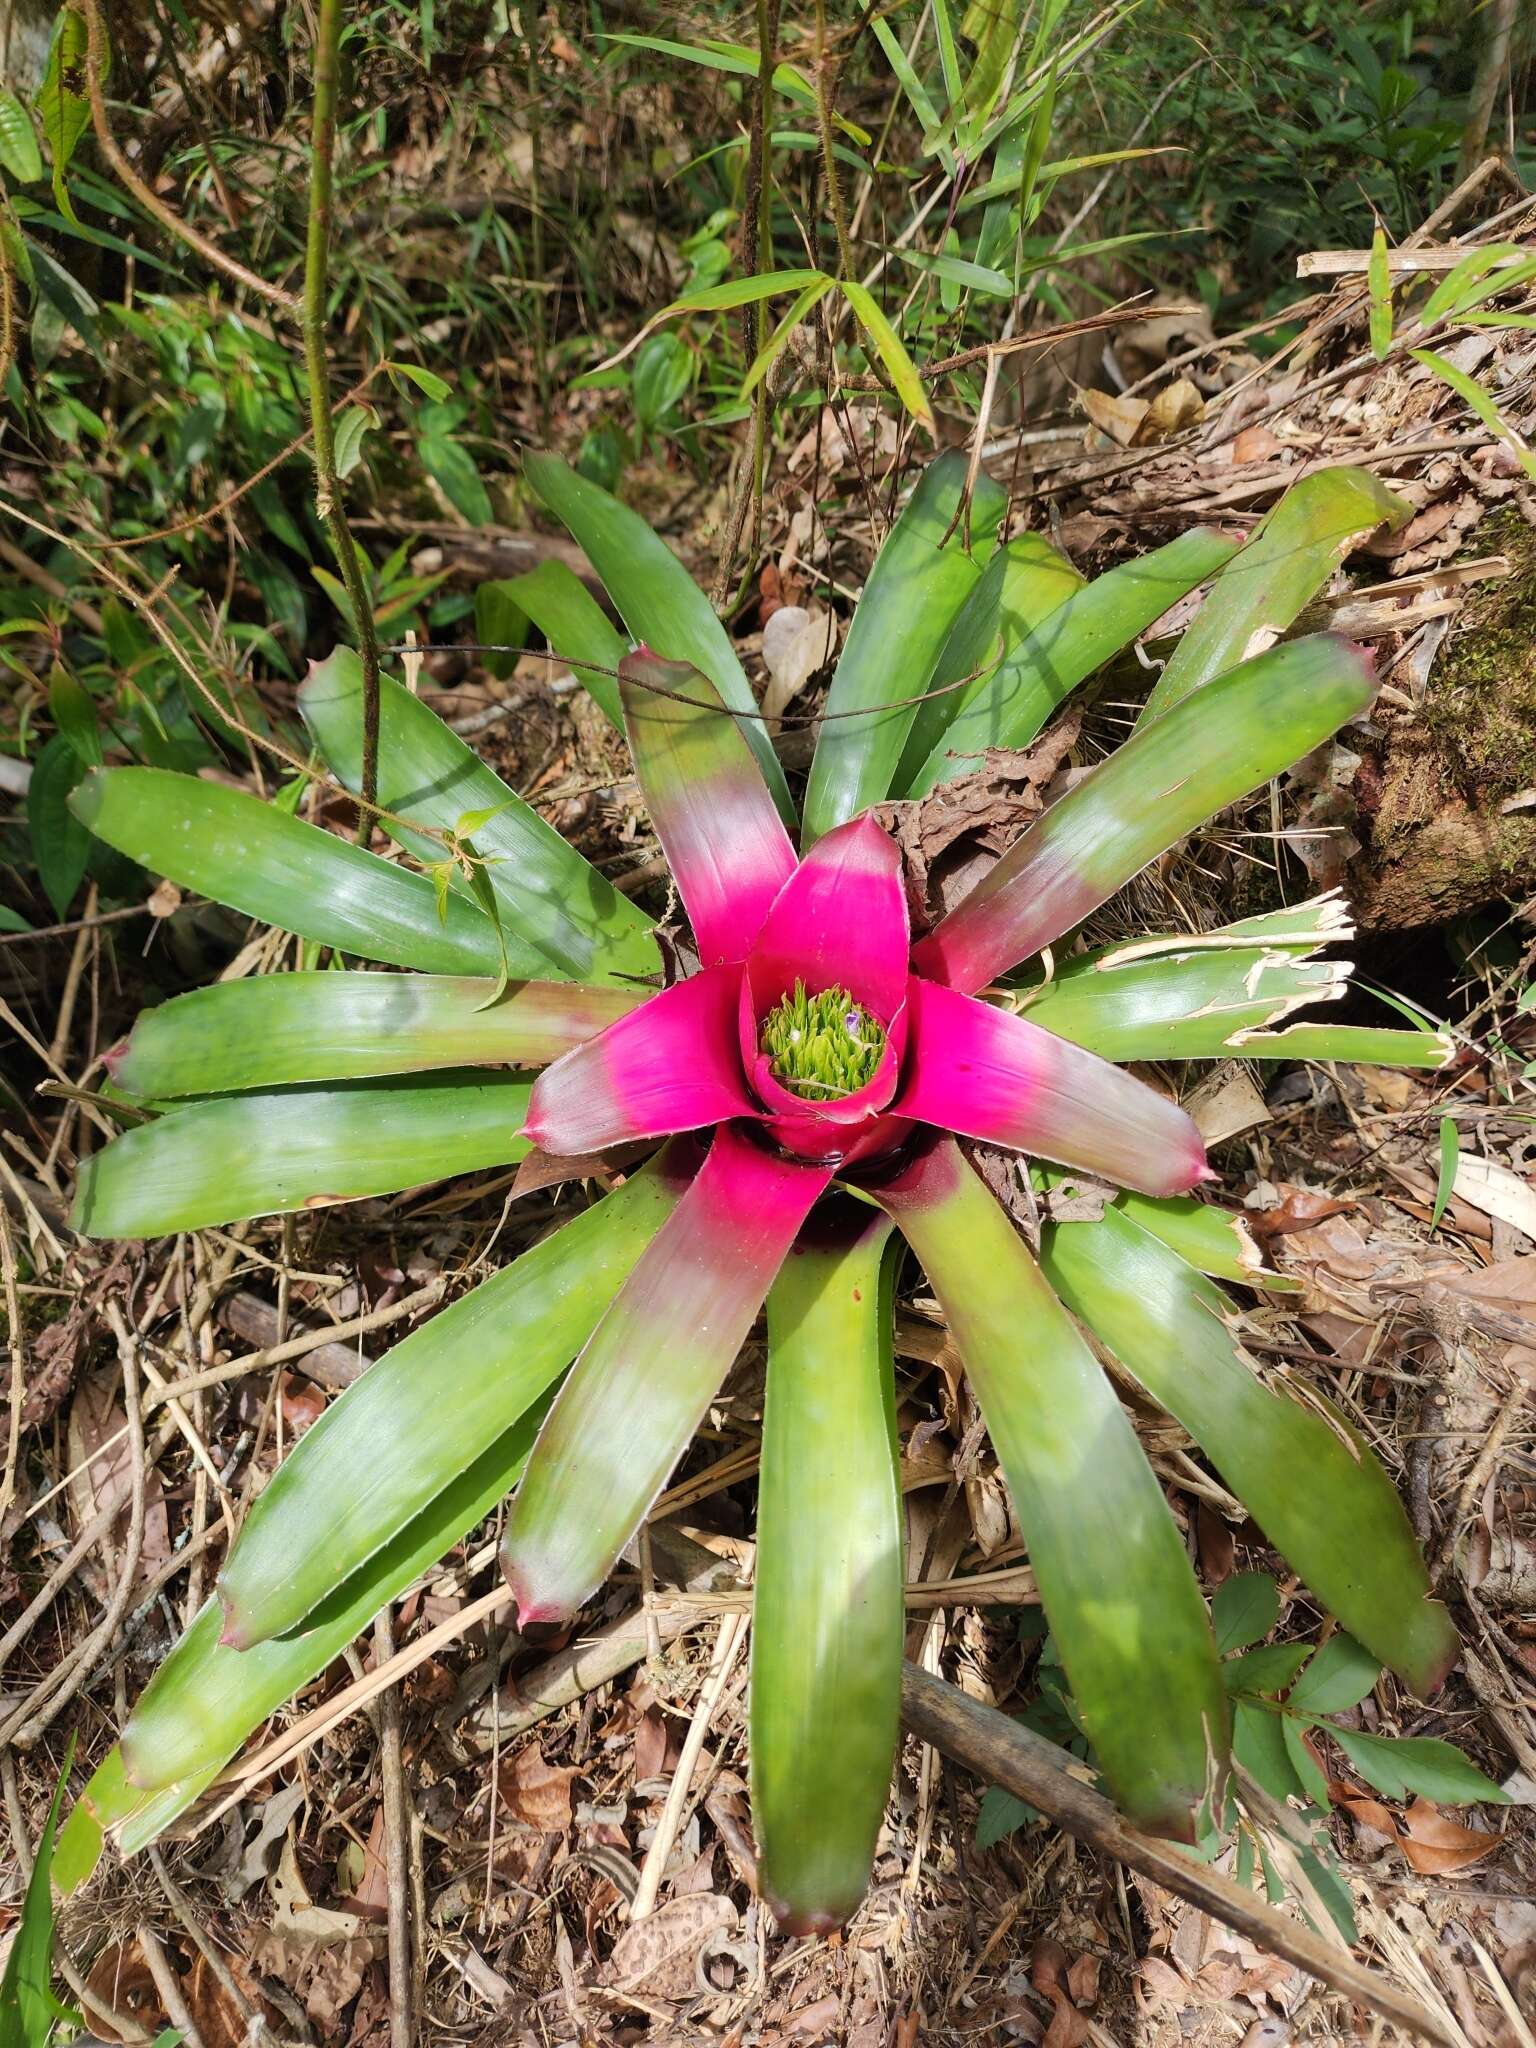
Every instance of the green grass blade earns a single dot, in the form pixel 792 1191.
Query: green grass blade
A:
pixel 827 1604
pixel 1472 395
pixel 297 1148
pixel 1009 705
pixel 1293 552
pixel 656 597
pixel 1306 1477
pixel 560 918
pixel 1364 1044
pixel 232 847
pixel 891 350
pixel 1019 589
pixel 1123 1605
pixel 275 1029
pixel 915 590
pixel 29 2009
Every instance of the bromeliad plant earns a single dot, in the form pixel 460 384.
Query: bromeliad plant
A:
pixel 806 1085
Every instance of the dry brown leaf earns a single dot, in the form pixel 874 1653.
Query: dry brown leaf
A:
pixel 1121 419
pixel 660 1955
pixel 121 1976
pixel 538 1793
pixel 1435 1844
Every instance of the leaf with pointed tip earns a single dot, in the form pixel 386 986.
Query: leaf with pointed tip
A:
pixel 559 917
pixel 1305 1476
pixel 928 566
pixel 274 1029
pixel 657 599
pixel 232 847
pixel 638 1391
pixel 1363 1044
pixel 577 628
pixel 827 1601
pixel 1122 1602
pixel 1008 705
pixel 1025 582
pixel 298 1148
pixel 1213 1240
pixel 1292 553
pixel 1171 776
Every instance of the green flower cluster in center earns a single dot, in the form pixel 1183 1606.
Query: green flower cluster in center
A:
pixel 822 1046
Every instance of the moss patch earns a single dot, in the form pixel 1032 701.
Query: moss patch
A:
pixel 1479 711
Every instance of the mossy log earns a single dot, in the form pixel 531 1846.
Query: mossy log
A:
pixel 1447 810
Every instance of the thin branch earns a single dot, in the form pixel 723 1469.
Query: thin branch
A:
pixel 150 200
pixel 327 482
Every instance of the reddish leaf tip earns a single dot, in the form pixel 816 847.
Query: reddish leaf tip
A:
pixel 113 1060
pixel 235 1634
pixel 795 1920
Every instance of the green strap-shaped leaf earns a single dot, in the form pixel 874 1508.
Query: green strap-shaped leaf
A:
pixel 1008 706
pixel 827 1605
pixel 1308 1480
pixel 1021 587
pixel 657 599
pixel 1213 1240
pixel 1123 1605
pixel 399 1434
pixel 559 916
pixel 232 847
pixel 577 628
pixel 916 588
pixel 275 1029
pixel 1361 1043
pixel 298 1148
pixel 29 2007
pixel 1293 552
pixel 207 1698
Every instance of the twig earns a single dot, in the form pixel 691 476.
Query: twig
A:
pixel 7 312
pixel 397 1844
pixel 1002 1752
pixel 732 1631
pixel 148 198
pixel 14 1341
pixel 168 1984
pixel 327 482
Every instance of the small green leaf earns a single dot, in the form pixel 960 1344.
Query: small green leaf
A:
pixel 19 153
pixel 74 713
pixel 763 361
pixel 1244 1610
pixel 1450 1159
pixel 1473 395
pixel 1339 1676
pixel 500 623
pixel 1418 1764
pixel 1379 278
pixel 354 422
pixel 1000 1815
pixel 61 845
pixel 426 381
pixel 452 467
pixel 888 346
pixel 976 277
pixel 1259 1746
pixel 62 101
pixel 1268 1670
pixel 28 2006
pixel 1309 1772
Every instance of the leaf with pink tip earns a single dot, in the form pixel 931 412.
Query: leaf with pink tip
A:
pixel 672 1065
pixel 639 1390
pixel 988 1074
pixel 827 1599
pixel 840 921
pixel 726 845
pixel 1170 777
pixel 1117 1587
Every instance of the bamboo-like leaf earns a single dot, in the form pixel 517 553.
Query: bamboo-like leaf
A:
pixel 827 1603
pixel 1379 279
pixel 1363 1044
pixel 1168 778
pixel 1123 1605
pixel 717 298
pixel 1293 552
pixel 714 54
pixel 1472 395
pixel 927 568
pixel 1305 1476
pixel 229 845
pixel 1022 585
pixel 395 1439
pixel 30 2011
pixel 298 1148
pixel 891 350
pixel 577 629
pixel 559 917
pixel 656 597
pixel 275 1029
pixel 763 361
pixel 1008 705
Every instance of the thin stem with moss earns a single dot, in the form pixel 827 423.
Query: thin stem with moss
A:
pixel 317 368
